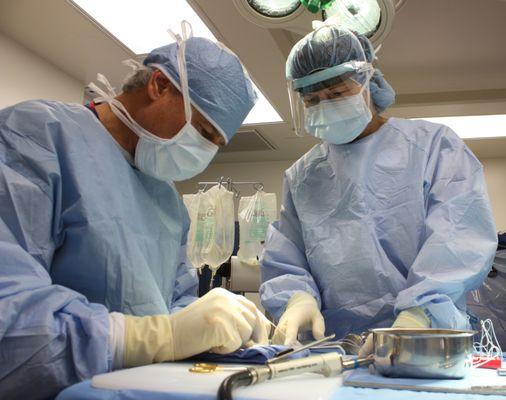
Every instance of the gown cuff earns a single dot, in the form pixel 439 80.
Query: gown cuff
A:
pixel 117 338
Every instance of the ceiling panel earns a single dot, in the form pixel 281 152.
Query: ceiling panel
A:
pixel 247 140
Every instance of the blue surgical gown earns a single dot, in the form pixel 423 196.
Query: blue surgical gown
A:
pixel 82 233
pixel 398 219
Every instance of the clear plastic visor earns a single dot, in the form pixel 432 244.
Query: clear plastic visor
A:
pixel 334 83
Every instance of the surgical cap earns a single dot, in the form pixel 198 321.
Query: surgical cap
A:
pixel 219 86
pixel 329 46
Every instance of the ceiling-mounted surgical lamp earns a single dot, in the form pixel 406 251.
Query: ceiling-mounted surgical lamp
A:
pixel 372 18
pixel 274 9
pixel 276 14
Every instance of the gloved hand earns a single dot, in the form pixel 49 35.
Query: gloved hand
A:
pixel 411 318
pixel 301 314
pixel 220 322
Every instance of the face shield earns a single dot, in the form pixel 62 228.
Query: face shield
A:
pixel 338 94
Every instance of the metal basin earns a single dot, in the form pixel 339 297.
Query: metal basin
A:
pixel 423 353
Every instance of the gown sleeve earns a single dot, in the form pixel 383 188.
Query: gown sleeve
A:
pixel 50 336
pixel 284 267
pixel 459 235
pixel 186 285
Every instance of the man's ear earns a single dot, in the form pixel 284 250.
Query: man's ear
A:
pixel 158 85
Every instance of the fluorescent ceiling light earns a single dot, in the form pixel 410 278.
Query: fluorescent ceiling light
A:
pixel 474 126
pixel 142 26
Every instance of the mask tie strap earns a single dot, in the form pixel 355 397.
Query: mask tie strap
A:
pixel 186 33
pixel 117 107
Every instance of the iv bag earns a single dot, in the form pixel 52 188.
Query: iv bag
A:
pixel 211 235
pixel 219 243
pixel 199 225
pixel 255 215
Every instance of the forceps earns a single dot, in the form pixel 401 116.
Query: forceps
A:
pixel 288 352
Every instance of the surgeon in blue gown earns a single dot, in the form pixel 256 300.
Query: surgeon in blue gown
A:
pixel 386 221
pixel 93 267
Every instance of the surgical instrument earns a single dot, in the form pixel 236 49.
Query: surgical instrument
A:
pixel 328 364
pixel 288 352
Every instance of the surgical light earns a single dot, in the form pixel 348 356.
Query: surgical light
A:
pixel 362 16
pixel 372 18
pixel 274 8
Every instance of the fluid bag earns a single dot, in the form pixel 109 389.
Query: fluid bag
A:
pixel 219 237
pixel 200 225
pixel 255 215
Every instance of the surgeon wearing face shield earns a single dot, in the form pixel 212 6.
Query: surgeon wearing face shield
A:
pixel 386 222
pixel 94 274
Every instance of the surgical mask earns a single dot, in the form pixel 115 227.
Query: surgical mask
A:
pixel 182 157
pixel 338 121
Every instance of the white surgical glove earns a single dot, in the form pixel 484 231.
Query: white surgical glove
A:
pixel 301 314
pixel 411 318
pixel 220 322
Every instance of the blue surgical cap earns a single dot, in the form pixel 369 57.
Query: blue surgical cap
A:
pixel 219 87
pixel 329 46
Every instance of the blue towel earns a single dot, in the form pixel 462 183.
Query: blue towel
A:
pixel 258 354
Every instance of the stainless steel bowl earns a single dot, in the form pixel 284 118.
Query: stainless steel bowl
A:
pixel 423 353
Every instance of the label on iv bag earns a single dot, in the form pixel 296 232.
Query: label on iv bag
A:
pixel 258 228
pixel 205 226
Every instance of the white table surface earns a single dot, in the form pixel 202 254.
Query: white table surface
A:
pixel 175 378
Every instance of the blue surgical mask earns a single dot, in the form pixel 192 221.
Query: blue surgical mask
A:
pixel 177 159
pixel 338 121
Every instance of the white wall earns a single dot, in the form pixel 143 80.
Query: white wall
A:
pixel 25 76
pixel 271 174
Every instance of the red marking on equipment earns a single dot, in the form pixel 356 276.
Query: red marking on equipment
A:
pixel 487 362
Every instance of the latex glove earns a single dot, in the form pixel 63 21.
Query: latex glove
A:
pixel 301 314
pixel 411 318
pixel 220 322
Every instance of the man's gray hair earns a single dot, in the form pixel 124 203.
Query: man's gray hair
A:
pixel 137 79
